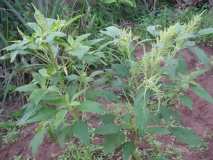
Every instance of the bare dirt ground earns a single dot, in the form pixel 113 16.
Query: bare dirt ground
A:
pixel 200 119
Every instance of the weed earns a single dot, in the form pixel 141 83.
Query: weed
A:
pixel 72 71
pixel 79 152
pixel 10 136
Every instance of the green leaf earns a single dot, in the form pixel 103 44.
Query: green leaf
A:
pixel 182 66
pixel 37 140
pixel 108 95
pixel 80 130
pixel 201 92
pixel 187 101
pixel 37 95
pixel 200 54
pixel 71 20
pixel 127 150
pixel 55 99
pixel 107 129
pixel 79 51
pixel 118 83
pixel 43 114
pixel 158 130
pixel 91 106
pixel 40 19
pixel 26 88
pixel 64 133
pixel 108 118
pixel 141 112
pixel 43 72
pixel 168 114
pixel 121 70
pixel 112 141
pixel 34 27
pixel 108 1
pixel 51 37
pixel 206 31
pixel 187 136
pixel 131 3
pixel 170 68
pixel 7 125
pixel 60 117
pixel 72 77
pixel 161 158
pixel 112 32
pixel 153 30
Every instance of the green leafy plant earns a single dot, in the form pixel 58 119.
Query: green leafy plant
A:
pixel 132 3
pixel 74 151
pixel 9 133
pixel 71 72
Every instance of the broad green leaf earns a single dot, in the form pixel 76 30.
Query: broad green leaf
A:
pixel 37 139
pixel 71 20
pixel 51 37
pixel 168 114
pixel 182 66
pixel 64 133
pixel 80 130
pixel 131 3
pixel 170 68
pixel 158 130
pixel 107 129
pixel 205 31
pixel 118 83
pixel 60 118
pixel 108 118
pixel 153 30
pixel 80 51
pixel 201 92
pixel 72 77
pixel 40 19
pixel 112 32
pixel 200 54
pixel 27 88
pixel 72 89
pixel 91 106
pixel 141 112
pixel 54 99
pixel 37 95
pixel 127 150
pixel 187 136
pixel 7 125
pixel 34 27
pixel 186 101
pixel 29 111
pixel 107 94
pixel 108 1
pixel 83 37
pixel 195 74
pixel 43 72
pixel 44 114
pixel 120 69
pixel 112 141
pixel 96 73
pixel 14 54
pixel 161 158
pixel 92 59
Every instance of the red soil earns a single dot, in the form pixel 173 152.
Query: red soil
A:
pixel 200 118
